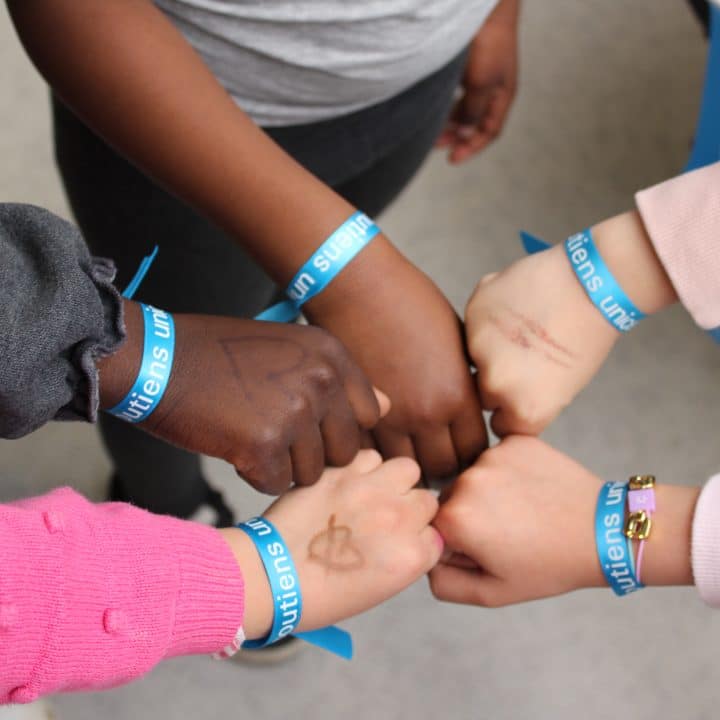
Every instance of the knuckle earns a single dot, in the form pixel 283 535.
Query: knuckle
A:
pixel 387 518
pixel 330 345
pixel 267 440
pixel 407 562
pixel 532 419
pixel 452 519
pixel 296 404
pixel 324 378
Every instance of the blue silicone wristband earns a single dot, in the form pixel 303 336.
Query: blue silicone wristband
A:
pixel 155 368
pixel 286 593
pixel 614 552
pixel 599 283
pixel 323 266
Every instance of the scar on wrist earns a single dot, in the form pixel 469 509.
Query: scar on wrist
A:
pixel 334 548
pixel 531 335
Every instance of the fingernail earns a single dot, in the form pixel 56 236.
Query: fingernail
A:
pixel 441 543
pixel 465 132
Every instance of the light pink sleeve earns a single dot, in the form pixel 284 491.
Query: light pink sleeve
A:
pixel 706 543
pixel 682 217
pixel 93 596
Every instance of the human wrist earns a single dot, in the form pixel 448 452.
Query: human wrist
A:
pixel 259 605
pixel 625 246
pixel 666 559
pixel 363 275
pixel 118 371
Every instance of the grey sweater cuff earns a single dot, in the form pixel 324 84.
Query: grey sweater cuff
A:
pixel 59 312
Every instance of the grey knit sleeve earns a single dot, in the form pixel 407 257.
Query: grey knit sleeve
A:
pixel 59 312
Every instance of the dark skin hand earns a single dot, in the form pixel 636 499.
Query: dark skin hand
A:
pixel 489 86
pixel 436 415
pixel 391 317
pixel 279 402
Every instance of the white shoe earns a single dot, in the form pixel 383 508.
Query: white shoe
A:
pixel 39 710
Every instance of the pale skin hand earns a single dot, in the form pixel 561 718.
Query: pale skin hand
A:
pixel 489 86
pixel 519 526
pixel 357 537
pixel 535 336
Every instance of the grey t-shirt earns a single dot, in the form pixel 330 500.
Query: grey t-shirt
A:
pixel 288 63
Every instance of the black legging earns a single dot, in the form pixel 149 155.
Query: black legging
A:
pixel 368 157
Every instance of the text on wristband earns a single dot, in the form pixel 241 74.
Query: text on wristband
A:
pixel 599 284
pixel 155 367
pixel 344 242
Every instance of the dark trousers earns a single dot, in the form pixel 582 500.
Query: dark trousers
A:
pixel 368 157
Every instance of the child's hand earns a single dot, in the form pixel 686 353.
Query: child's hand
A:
pixel 279 402
pixel 406 336
pixel 520 526
pixel 535 336
pixel 359 536
pixel 489 86
pixel 536 340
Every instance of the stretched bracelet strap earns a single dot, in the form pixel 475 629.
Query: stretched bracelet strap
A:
pixel 287 597
pixel 323 266
pixel 155 368
pixel 614 552
pixel 599 283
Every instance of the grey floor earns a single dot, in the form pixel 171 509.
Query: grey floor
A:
pixel 609 93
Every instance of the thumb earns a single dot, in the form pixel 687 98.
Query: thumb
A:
pixel 383 402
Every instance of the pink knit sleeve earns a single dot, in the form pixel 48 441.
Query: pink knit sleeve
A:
pixel 706 543
pixel 682 217
pixel 93 596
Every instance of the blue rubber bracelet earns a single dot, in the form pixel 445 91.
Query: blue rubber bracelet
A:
pixel 599 283
pixel 155 368
pixel 614 552
pixel 287 597
pixel 323 266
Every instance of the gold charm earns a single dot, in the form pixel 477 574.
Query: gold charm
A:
pixel 638 525
pixel 641 482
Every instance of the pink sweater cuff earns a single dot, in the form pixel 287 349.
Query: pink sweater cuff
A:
pixel 706 543
pixel 682 217
pixel 93 596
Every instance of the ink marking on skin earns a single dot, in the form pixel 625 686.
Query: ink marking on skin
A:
pixel 334 549
pixel 256 352
pixel 515 334
pixel 540 332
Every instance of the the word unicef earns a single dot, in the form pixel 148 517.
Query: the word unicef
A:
pixel 332 256
pixel 590 269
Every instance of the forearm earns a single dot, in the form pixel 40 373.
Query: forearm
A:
pixel 150 95
pixel 625 246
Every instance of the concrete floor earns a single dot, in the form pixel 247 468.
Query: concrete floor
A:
pixel 609 94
